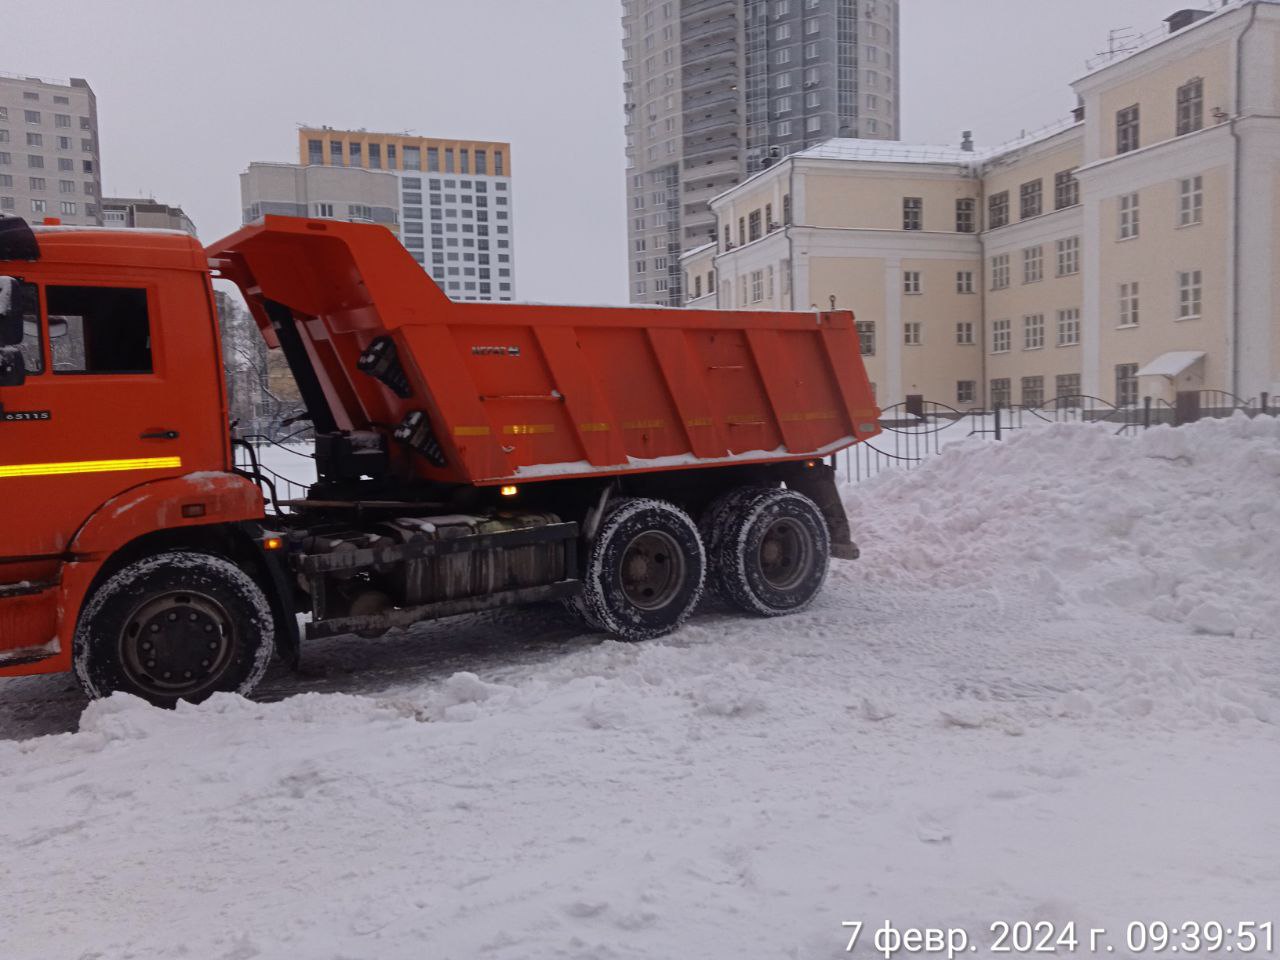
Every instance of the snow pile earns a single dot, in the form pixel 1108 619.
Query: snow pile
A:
pixel 1181 524
pixel 1017 706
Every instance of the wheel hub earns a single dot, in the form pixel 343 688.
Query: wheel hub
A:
pixel 785 553
pixel 177 643
pixel 652 570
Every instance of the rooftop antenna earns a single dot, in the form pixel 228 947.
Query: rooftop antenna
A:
pixel 1119 41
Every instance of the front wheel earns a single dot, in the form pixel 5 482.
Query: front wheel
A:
pixel 769 550
pixel 176 626
pixel 644 570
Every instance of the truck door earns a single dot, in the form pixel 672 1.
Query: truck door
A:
pixel 97 413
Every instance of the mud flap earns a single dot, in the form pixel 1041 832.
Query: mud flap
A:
pixel 818 483
pixel 28 623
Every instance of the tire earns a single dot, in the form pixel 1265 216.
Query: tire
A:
pixel 715 520
pixel 644 571
pixel 769 550
pixel 211 623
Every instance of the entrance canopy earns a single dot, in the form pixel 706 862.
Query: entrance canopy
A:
pixel 1172 364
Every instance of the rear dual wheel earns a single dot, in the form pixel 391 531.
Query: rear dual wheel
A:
pixel 768 549
pixel 644 570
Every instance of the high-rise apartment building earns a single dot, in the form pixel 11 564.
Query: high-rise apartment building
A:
pixel 49 165
pixel 717 90
pixel 449 201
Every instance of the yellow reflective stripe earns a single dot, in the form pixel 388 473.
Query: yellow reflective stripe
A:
pixel 594 427
pixel 527 429
pixel 88 466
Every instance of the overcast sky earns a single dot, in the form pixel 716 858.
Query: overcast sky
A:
pixel 190 92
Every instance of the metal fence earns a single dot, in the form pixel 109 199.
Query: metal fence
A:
pixel 917 429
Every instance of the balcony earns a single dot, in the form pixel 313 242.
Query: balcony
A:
pixel 708 172
pixel 705 102
pixel 722 120
pixel 708 8
pixel 720 26
pixel 692 55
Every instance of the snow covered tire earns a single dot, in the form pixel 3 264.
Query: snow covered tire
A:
pixel 644 570
pixel 768 550
pixel 176 626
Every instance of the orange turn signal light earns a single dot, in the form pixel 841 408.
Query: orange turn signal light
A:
pixel 510 491
pixel 273 543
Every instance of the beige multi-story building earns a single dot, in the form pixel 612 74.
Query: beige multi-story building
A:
pixel 1130 251
pixel 144 213
pixel 717 90
pixel 449 201
pixel 49 164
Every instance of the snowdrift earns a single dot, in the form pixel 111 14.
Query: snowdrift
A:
pixel 1047 692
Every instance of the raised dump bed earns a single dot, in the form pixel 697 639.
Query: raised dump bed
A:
pixel 491 393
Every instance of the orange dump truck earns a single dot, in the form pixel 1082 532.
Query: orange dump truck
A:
pixel 468 456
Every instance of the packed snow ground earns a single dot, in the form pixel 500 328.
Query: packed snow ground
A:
pixel 1049 691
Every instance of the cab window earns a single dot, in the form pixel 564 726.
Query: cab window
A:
pixel 32 351
pixel 98 330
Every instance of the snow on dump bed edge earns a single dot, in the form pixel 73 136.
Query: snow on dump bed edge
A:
pixel 1009 710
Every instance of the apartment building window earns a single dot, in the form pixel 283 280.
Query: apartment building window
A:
pixel 482 163
pixel 66 164
pixel 335 153
pixel 1001 336
pixel 783 57
pixel 433 159
pixel 1126 384
pixel 742 231
pixel 7 203
pixel 1191 106
pixel 1001 392
pixel 998 209
pixel 1033 264
pixel 1190 201
pixel 5 159
pixel 359 211
pixel 742 285
pixel 1068 327
pixel 36 183
pixel 783 82
pixel 1129 304
pixel 1068 256
pixel 913 333
pixel 1127 138
pixel 498 167
pixel 315 151
pixel 67 207
pixel 964 281
pixel 375 156
pixel 1129 220
pixel 641 265
pixel 867 337
pixel 728 237
pixel 1000 272
pixel 711 282
pixel 966 215
pixel 391 156
pixel 784 270
pixel 1032 197
pixel 1033 332
pixel 1032 391
pixel 966 391
pixel 813 124
pixel 1067 385
pixel 1066 190
pixel 35 140
pixel 62 120
pixel 1189 294
pixel 355 154
pixel 754 229
pixel 757 286
pixel 769 225
pixel 324 210
pixel 66 186
pixel 911 282
pixel 813 100
pixel 35 161
pixel 784 128
pixel 964 333
pixel 38 206
pixel 782 105
pixel 812 25
pixel 786 209
pixel 912 213
pixel 31 116
pixel 783 32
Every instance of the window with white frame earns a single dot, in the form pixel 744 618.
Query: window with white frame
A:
pixel 782 105
pixel 1001 392
pixel 1068 256
pixel 966 391
pixel 783 82
pixel 1129 216
pixel 1189 294
pixel 813 124
pixel 1068 327
pixel 1129 304
pixel 757 286
pixel 1000 272
pixel 964 281
pixel 1001 336
pixel 782 57
pixel 1190 106
pixel 867 337
pixel 912 333
pixel 964 333
pixel 1067 385
pixel 1033 264
pixel 1190 201
pixel 783 32
pixel 911 281
pixel 768 273
pixel 786 277
pixel 1033 331
pixel 1126 384
pixel 1032 391
pixel 784 128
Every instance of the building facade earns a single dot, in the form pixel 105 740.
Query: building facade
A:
pixel 717 90
pixel 144 213
pixel 49 162
pixel 450 202
pixel 1128 252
